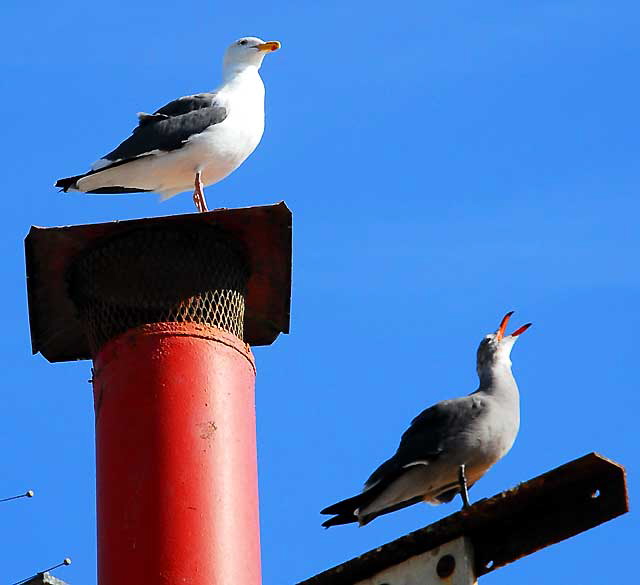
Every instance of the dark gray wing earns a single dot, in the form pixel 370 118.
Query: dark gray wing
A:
pixel 187 104
pixel 427 435
pixel 171 126
pixel 424 441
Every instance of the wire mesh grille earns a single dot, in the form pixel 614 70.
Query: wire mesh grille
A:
pixel 158 276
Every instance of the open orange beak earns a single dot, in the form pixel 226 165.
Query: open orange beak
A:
pixel 503 327
pixel 269 46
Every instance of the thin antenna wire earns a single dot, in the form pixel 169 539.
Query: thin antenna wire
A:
pixel 66 561
pixel 28 494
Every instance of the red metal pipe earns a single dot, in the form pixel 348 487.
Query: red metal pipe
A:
pixel 177 493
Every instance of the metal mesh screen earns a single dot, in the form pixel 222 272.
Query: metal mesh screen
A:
pixel 160 275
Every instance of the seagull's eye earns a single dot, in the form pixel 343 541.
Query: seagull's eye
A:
pixel 243 42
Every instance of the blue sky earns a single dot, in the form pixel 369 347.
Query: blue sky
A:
pixel 445 163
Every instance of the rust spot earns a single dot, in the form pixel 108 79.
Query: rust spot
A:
pixel 207 429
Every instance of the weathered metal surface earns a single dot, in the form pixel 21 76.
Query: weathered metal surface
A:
pixel 542 511
pixel 448 564
pixel 44 579
pixel 264 232
pixel 176 465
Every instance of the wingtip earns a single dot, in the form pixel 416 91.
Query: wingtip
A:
pixel 66 183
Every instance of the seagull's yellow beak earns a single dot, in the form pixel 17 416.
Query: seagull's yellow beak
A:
pixel 269 46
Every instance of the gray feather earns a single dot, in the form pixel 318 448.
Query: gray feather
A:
pixel 171 126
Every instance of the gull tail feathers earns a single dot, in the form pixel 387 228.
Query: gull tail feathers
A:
pixel 100 186
pixel 68 183
pixel 348 511
pixel 344 511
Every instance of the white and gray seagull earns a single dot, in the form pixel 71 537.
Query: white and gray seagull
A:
pixel 449 446
pixel 192 142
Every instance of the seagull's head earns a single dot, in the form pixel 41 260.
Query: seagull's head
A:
pixel 247 52
pixel 496 347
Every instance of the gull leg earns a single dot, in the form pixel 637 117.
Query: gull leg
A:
pixel 198 195
pixel 464 493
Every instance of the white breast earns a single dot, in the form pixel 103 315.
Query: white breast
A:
pixel 224 147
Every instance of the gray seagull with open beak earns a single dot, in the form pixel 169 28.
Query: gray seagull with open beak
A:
pixel 449 446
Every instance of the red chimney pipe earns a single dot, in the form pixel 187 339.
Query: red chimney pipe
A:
pixel 177 485
pixel 167 308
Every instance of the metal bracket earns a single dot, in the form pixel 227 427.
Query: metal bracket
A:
pixel 450 564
